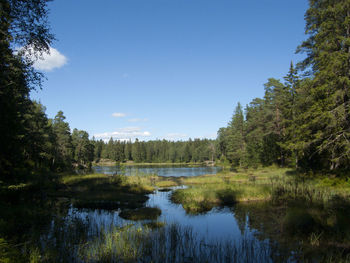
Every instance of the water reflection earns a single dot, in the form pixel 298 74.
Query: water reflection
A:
pixel 217 225
pixel 174 171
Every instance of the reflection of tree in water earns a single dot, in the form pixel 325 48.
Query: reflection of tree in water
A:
pixel 271 222
pixel 25 218
pixel 266 220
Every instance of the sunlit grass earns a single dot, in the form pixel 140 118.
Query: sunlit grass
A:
pixel 270 183
pixel 106 191
pixel 166 183
pixel 205 197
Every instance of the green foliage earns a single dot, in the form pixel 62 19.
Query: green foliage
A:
pixel 327 118
pixel 158 151
pixel 22 23
pixel 304 122
pixel 236 148
pixel 203 197
pixel 29 142
pixel 8 253
pixel 83 148
pixel 107 192
pixel 168 244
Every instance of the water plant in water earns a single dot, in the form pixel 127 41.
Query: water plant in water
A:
pixel 169 244
pixel 145 213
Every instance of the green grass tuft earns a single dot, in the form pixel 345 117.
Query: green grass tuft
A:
pixel 145 213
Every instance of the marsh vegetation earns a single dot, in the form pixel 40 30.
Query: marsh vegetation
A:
pixel 265 215
pixel 283 195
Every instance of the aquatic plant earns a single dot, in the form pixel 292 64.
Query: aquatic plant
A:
pixel 144 213
pixel 169 244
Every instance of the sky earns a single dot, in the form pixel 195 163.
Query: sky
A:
pixel 164 69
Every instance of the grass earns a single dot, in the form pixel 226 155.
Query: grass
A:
pixel 154 224
pixel 204 197
pixel 226 188
pixel 264 184
pixel 168 244
pixel 106 192
pixel 173 243
pixel 110 192
pixel 205 192
pixel 311 208
pixel 144 213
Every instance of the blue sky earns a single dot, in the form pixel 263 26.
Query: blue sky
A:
pixel 169 69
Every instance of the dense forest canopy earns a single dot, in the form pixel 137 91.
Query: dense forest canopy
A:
pixel 30 142
pixel 158 151
pixel 302 121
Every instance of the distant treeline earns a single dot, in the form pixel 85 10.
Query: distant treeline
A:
pixel 158 151
pixel 303 121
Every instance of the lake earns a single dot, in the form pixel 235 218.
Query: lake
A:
pixel 175 171
pixel 230 226
pixel 245 232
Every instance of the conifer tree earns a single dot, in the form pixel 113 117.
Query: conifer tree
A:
pixel 64 153
pixel 327 120
pixel 236 138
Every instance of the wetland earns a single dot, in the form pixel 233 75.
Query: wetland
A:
pixel 260 215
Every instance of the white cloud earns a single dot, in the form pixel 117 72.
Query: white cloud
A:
pixel 124 134
pixel 45 61
pixel 118 114
pixel 49 61
pixel 138 120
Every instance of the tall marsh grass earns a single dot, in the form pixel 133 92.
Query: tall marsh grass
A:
pixel 169 244
pixel 309 190
pixel 204 197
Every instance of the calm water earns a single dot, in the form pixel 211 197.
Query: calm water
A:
pixel 175 171
pixel 215 225
pixel 248 221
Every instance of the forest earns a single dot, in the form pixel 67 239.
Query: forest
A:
pixel 158 151
pixel 303 121
pixel 275 181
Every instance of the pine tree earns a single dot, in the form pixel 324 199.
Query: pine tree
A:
pixel 290 112
pixel 64 153
pixel 275 102
pixel 22 24
pixel 327 120
pixel 236 146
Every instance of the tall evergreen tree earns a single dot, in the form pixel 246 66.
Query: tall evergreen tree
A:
pixel 83 148
pixel 276 101
pixel 24 24
pixel 64 153
pixel 236 147
pixel 290 112
pixel 327 120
